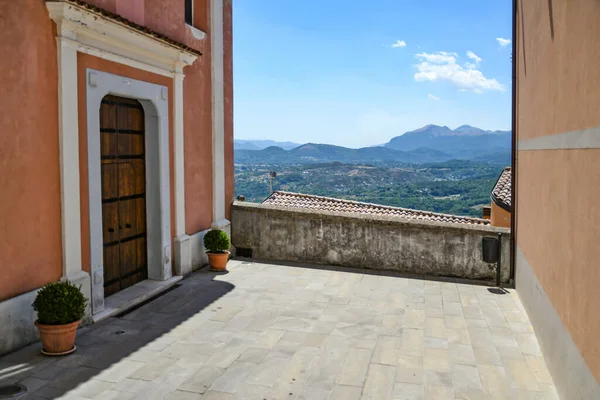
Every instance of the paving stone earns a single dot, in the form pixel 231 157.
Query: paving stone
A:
pixel 461 354
pixel 268 339
pixel 74 377
pixel 93 389
pixel 391 325
pixel 296 337
pixel 528 344
pixel 263 374
pixel 434 392
pixel 146 372
pixel 201 380
pixel 341 392
pixel 115 395
pixel 434 312
pixel 132 385
pixel 328 365
pixel 437 359
pixel 380 382
pixel 452 308
pixel 413 342
pixel 438 378
pixel 458 336
pixel 493 377
pixel 465 377
pixel 481 337
pixel 414 319
pixel 538 367
pixel 408 391
pixel 314 340
pixel 355 367
pixel 386 350
pixel 253 355
pixel 471 394
pixel 435 328
pixel 413 375
pixel 123 369
pixel 284 349
pixel 181 395
pixel 310 393
pixel 488 356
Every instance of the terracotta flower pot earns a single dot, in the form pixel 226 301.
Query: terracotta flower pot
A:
pixel 58 339
pixel 218 261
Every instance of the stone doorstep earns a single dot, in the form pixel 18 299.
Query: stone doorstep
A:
pixel 133 296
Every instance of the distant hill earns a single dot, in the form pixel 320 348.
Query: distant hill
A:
pixel 262 144
pixel 311 153
pixel 430 144
pixel 463 142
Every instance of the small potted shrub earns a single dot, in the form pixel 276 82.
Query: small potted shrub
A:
pixel 217 246
pixel 60 307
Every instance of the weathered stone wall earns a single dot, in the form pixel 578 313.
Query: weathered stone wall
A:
pixel 363 241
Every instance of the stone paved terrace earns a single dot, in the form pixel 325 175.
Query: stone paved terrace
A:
pixel 267 331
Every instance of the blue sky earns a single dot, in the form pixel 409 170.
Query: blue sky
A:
pixel 357 73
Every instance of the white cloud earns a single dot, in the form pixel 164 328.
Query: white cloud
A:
pixel 441 57
pixel 443 66
pixel 432 97
pixel 398 44
pixel 474 57
pixel 503 42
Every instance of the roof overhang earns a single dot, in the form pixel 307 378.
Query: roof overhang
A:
pixel 93 32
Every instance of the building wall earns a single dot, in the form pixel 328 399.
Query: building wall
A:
pixel 500 217
pixel 557 187
pixel 30 224
pixel 29 131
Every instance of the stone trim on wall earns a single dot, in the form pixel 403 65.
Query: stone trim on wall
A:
pixel 218 114
pixel 154 99
pixel 580 139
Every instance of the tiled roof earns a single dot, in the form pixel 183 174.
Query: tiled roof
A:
pixel 306 201
pixel 501 194
pixel 133 25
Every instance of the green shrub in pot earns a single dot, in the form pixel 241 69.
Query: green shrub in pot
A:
pixel 60 307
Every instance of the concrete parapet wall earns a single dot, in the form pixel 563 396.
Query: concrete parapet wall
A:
pixel 366 241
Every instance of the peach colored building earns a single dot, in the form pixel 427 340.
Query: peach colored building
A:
pixel 116 141
pixel 501 205
pixel 557 176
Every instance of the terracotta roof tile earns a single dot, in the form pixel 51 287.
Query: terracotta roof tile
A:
pixel 306 201
pixel 133 25
pixel 501 194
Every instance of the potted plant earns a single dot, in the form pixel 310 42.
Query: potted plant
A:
pixel 217 246
pixel 60 307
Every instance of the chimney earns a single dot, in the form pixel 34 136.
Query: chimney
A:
pixel 486 212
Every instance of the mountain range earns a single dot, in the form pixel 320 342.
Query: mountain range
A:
pixel 262 144
pixel 431 143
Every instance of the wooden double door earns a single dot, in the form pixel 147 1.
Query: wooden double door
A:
pixel 122 153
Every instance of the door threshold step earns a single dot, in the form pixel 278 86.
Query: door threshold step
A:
pixel 122 301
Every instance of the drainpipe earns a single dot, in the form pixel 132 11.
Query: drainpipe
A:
pixel 513 174
pixel 499 260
